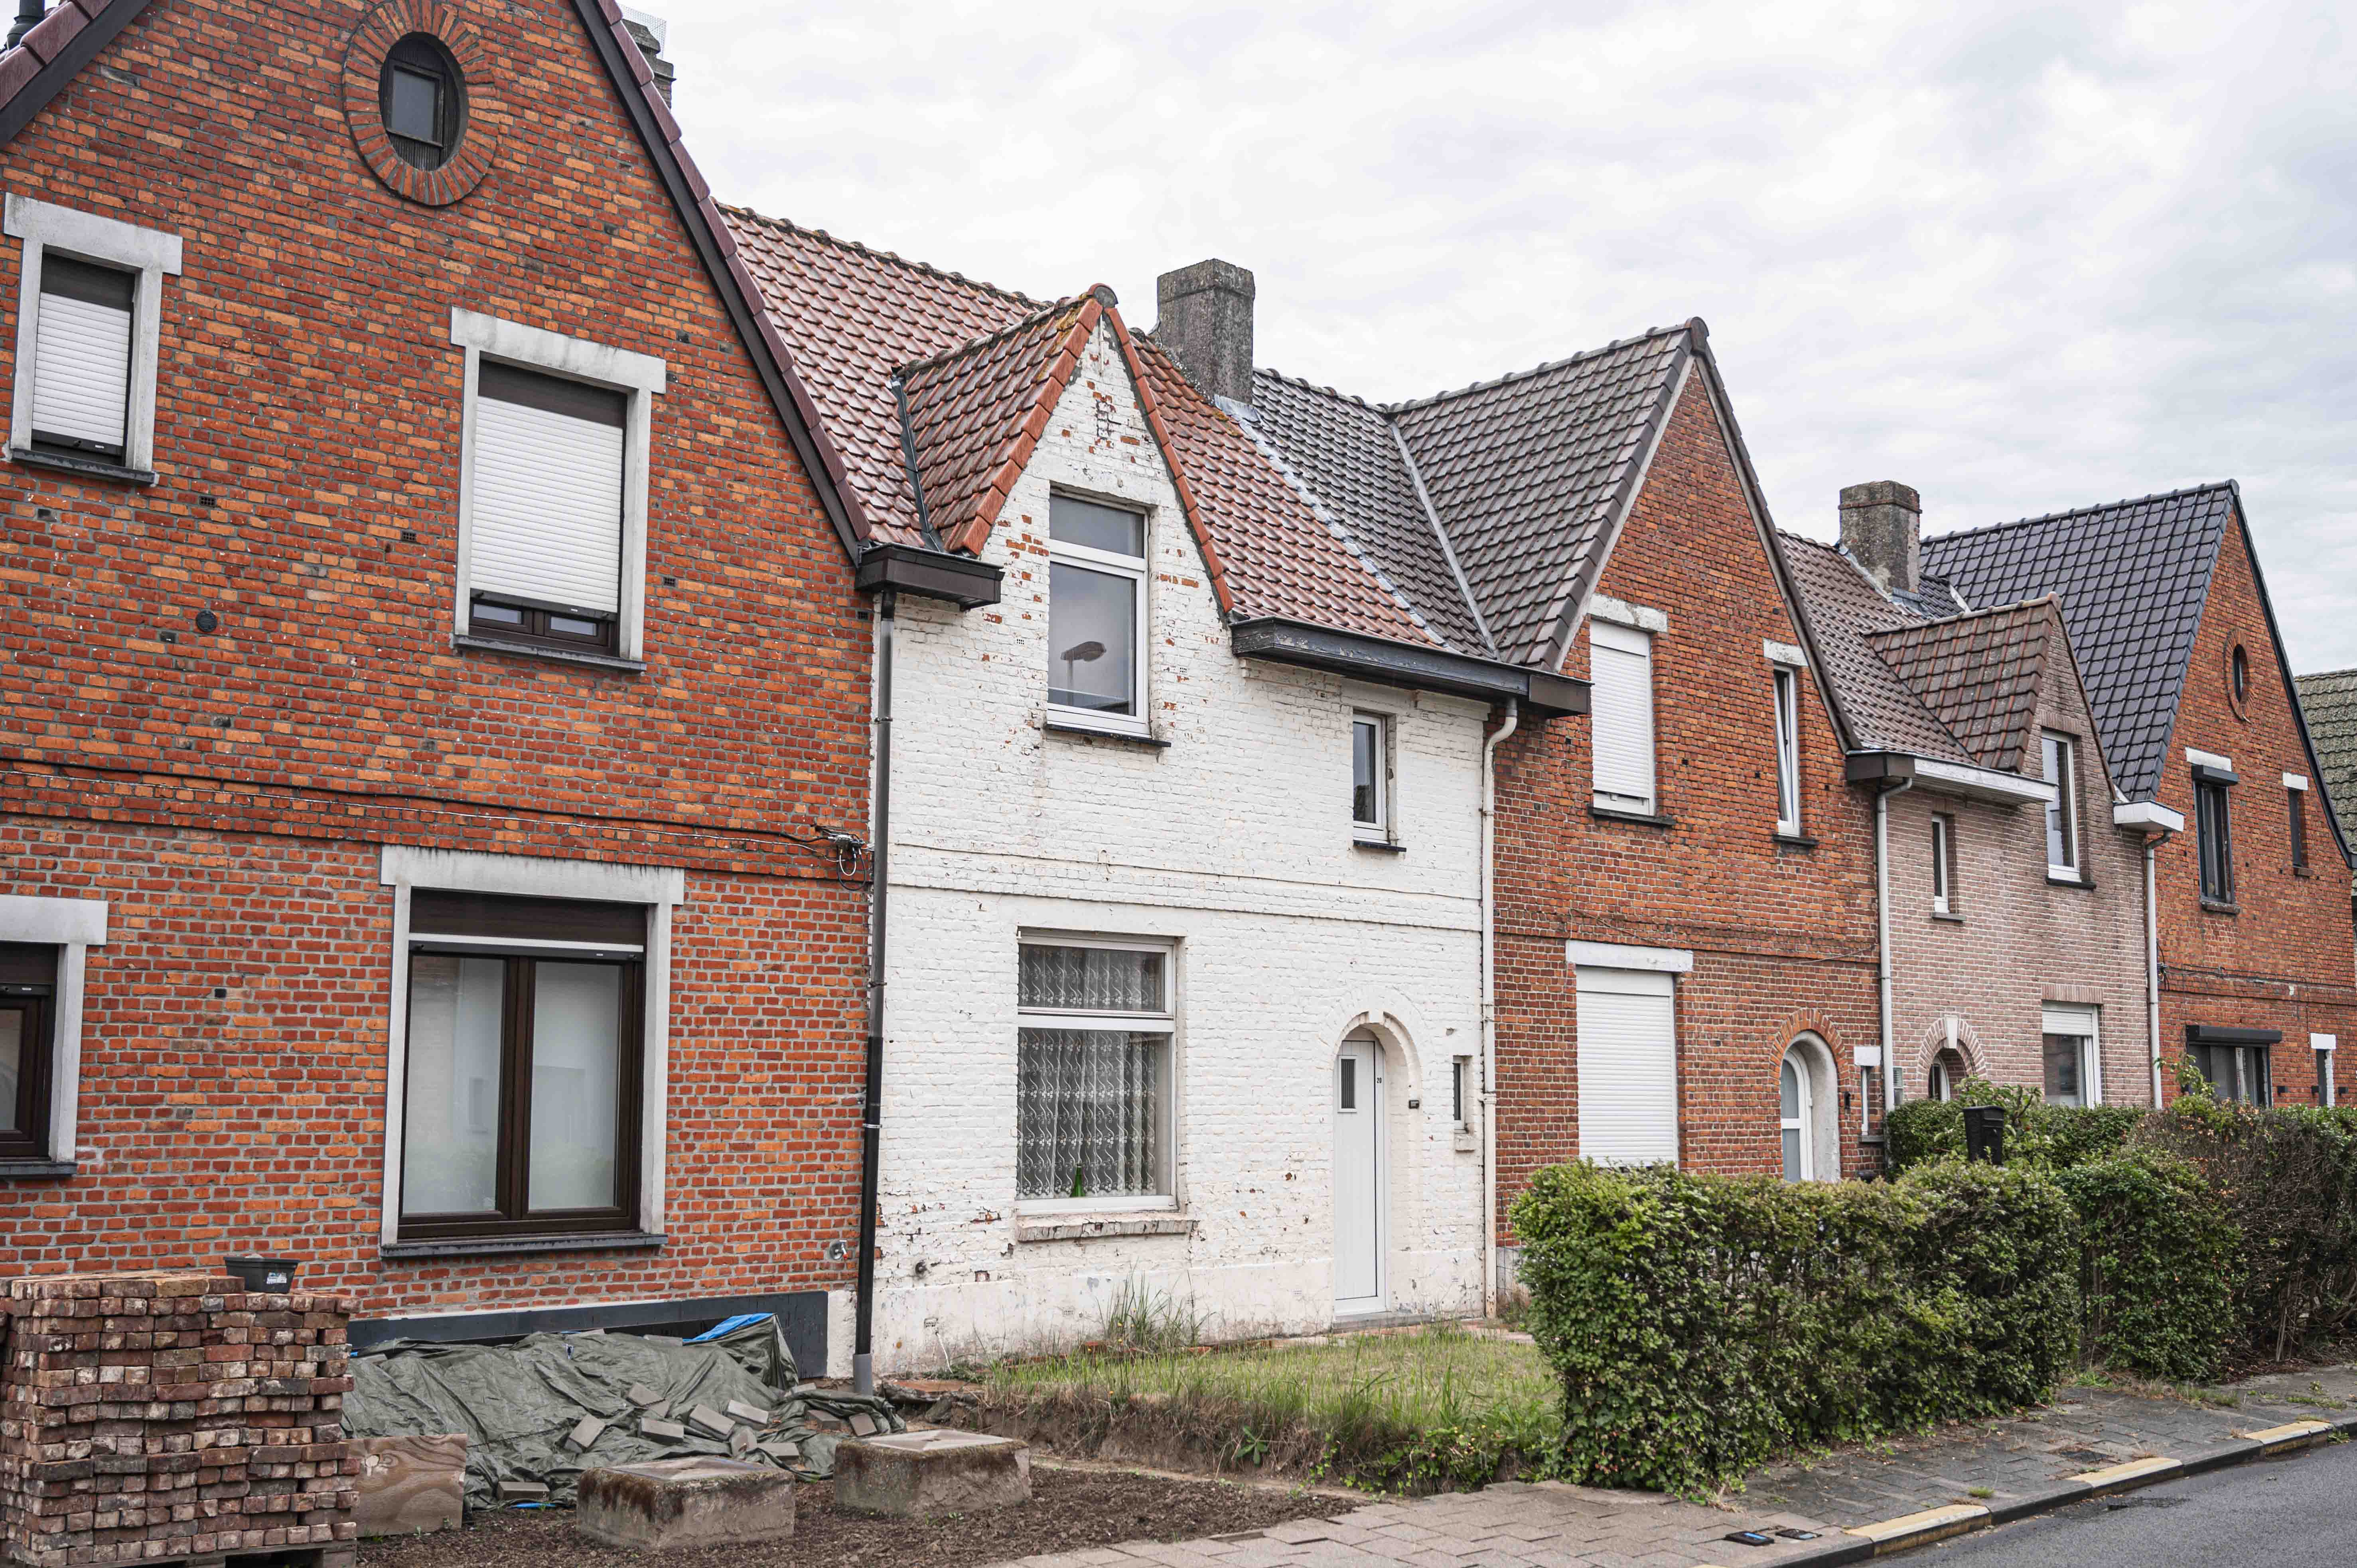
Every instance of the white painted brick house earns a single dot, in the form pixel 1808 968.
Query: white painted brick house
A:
pixel 1185 858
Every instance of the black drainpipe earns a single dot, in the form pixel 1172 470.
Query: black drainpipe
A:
pixel 871 1123
pixel 29 16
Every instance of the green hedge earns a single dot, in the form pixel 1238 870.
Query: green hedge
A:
pixel 1922 1131
pixel 1699 1323
pixel 2159 1265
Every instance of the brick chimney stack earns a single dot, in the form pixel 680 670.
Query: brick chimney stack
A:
pixel 1882 529
pixel 1206 322
pixel 651 34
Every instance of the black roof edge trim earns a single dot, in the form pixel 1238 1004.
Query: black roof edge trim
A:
pixel 2226 1034
pixel 51 79
pixel 2291 681
pixel 1392 663
pixel 1878 767
pixel 716 261
pixel 962 580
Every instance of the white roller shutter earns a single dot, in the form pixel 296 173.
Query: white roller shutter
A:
pixel 545 512
pixel 2084 1023
pixel 81 355
pixel 1627 1067
pixel 1621 715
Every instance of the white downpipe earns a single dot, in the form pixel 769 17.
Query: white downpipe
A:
pixel 1882 966
pixel 1490 1009
pixel 2152 960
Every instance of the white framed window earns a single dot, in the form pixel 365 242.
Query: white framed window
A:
pixel 44 953
pixel 88 331
pixel 2075 1068
pixel 1627 1055
pixel 554 453
pixel 1096 615
pixel 1944 865
pixel 2326 1047
pixel 528 1048
pixel 1370 776
pixel 1788 750
pixel 1461 1093
pixel 1620 717
pixel 2060 756
pixel 1095 1025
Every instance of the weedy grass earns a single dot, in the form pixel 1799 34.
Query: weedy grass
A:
pixel 1430 1409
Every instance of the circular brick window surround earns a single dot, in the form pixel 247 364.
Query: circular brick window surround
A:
pixel 2238 680
pixel 364 65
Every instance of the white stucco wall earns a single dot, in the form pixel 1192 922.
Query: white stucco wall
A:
pixel 1233 842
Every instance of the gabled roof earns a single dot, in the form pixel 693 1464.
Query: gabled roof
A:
pixel 2132 577
pixel 75 31
pixel 1845 612
pixel 2330 701
pixel 1980 674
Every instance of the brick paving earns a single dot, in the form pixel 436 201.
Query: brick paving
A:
pixel 1548 1524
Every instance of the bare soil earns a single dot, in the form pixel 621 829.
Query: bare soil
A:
pixel 1069 1511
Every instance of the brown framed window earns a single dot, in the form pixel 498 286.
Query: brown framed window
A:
pixel 513 619
pixel 2298 829
pixel 2213 834
pixel 524 1068
pixel 28 986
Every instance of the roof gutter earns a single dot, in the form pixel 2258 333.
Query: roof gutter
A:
pixel 1282 641
pixel 1948 778
pixel 962 580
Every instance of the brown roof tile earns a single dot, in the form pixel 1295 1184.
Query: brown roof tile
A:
pixel 1980 674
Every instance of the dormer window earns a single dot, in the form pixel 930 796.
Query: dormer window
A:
pixel 421 100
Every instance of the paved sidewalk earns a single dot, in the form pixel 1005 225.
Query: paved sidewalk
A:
pixel 1844 1508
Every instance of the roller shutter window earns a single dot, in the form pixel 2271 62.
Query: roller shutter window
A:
pixel 81 358
pixel 1621 716
pixel 1628 1067
pixel 546 519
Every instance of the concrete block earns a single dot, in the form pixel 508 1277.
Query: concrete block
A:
pixel 585 1432
pixel 706 1419
pixel 524 1491
pixel 640 1394
pixel 749 1412
pixel 410 1486
pixel 924 1475
pixel 667 1503
pixel 651 1426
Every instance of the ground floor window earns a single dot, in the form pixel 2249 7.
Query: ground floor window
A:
pixel 28 983
pixel 1627 1067
pixel 1947 1074
pixel 2239 1074
pixel 2074 1073
pixel 2326 1047
pixel 1093 1070
pixel 521 1104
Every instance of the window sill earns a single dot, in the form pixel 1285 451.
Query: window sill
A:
pixel 1089 1227
pixel 2055 879
pixel 1381 846
pixel 1795 841
pixel 88 467
pixel 1054 725
pixel 1642 818
pixel 2303 870
pixel 468 643
pixel 490 1246
pixel 1949 916
pixel 35 1170
pixel 2220 906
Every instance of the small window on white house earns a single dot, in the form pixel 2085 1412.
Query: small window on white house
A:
pixel 1096 613
pixel 2062 771
pixel 1370 776
pixel 1093 1072
pixel 546 508
pixel 1788 750
pixel 1460 1073
pixel 1620 717
pixel 88 317
pixel 1944 865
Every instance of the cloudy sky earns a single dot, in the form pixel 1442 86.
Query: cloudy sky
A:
pixel 2020 258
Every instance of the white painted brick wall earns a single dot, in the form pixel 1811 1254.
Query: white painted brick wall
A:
pixel 1235 842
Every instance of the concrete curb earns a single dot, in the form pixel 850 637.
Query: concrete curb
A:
pixel 1886 1536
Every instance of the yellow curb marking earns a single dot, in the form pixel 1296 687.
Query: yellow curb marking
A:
pixel 2289 1432
pixel 2130 1471
pixel 1947 1520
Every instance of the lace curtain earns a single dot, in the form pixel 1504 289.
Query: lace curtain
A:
pixel 1091 978
pixel 1088 1112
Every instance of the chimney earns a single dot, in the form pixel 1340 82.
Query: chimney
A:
pixel 651 33
pixel 1206 322
pixel 1882 529
pixel 29 16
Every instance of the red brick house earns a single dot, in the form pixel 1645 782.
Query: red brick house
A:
pixel 433 753
pixel 2201 725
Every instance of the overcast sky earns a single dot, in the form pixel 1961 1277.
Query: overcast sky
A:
pixel 2022 259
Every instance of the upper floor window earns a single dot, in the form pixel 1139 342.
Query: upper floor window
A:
pixel 1370 776
pixel 1944 865
pixel 1093 1070
pixel 1096 613
pixel 1788 750
pixel 1620 717
pixel 2213 829
pixel 2062 771
pixel 422 96
pixel 88 319
pixel 29 985
pixel 552 533
pixel 2295 795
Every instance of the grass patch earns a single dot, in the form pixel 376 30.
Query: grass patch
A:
pixel 1430 1410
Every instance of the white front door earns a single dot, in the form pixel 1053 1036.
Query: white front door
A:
pixel 1358 1095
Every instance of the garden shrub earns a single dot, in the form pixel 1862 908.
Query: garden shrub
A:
pixel 2036 1133
pixel 1698 1324
pixel 2159 1263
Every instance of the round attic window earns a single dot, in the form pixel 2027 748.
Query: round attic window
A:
pixel 422 97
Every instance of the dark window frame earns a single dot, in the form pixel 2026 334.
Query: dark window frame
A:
pixel 92 283
pixel 29 988
pixel 2247 1087
pixel 2298 808
pixel 515 923
pixel 423 55
pixel 2213 829
pixel 539 624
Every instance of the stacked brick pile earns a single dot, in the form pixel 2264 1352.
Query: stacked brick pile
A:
pixel 149 1418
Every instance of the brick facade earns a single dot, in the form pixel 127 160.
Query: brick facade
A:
pixel 2281 960
pixel 228 792
pixel 1783 932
